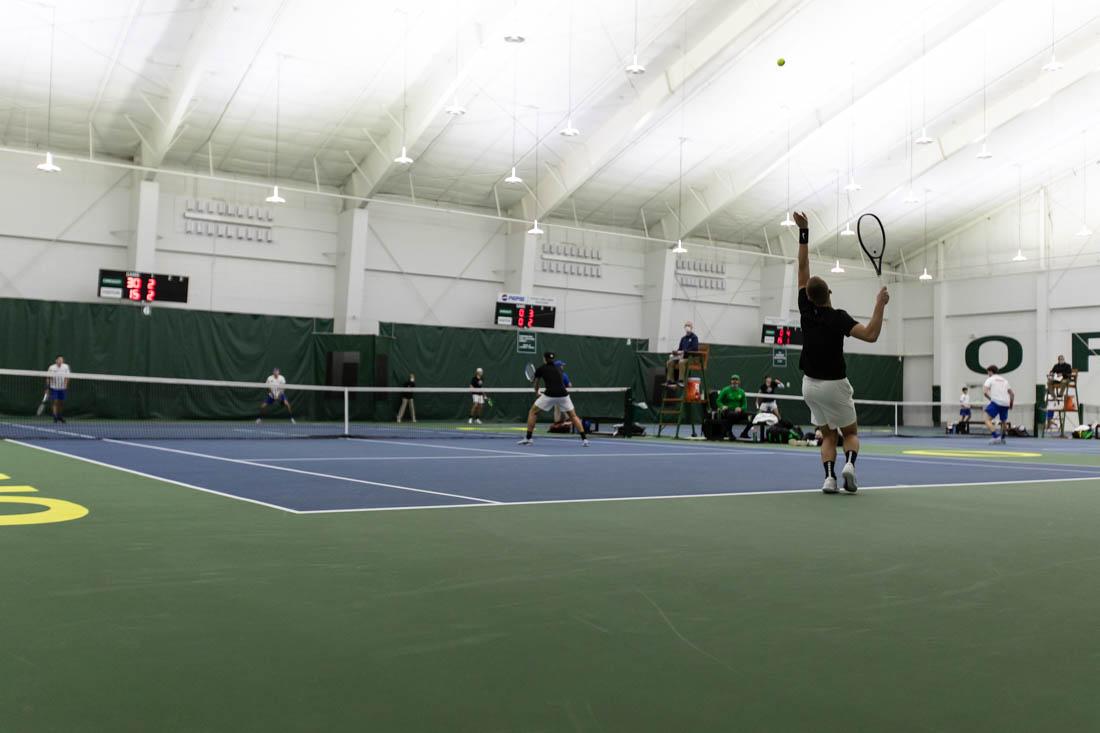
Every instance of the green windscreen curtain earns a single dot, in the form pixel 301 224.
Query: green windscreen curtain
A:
pixel 442 356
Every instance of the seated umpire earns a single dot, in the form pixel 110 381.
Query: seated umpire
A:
pixel 733 408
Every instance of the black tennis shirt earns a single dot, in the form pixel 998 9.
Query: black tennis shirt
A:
pixel 823 333
pixel 551 377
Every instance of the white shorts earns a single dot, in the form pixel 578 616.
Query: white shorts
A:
pixel 546 404
pixel 769 406
pixel 830 402
pixel 479 399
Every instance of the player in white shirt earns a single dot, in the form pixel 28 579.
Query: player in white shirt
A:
pixel 276 392
pixel 1000 398
pixel 57 382
pixel 963 428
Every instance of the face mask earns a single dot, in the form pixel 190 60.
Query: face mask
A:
pixel 687 329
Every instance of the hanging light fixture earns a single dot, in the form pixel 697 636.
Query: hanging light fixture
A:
pixel 911 196
pixel 985 153
pixel 1019 215
pixel 924 138
pixel 49 166
pixel 634 67
pixel 837 269
pixel 403 158
pixel 788 222
pixel 570 130
pixel 514 178
pixel 454 109
pixel 1054 64
pixel 847 231
pixel 1084 232
pixel 924 275
pixel 535 230
pixel 275 198
pixel 514 35
pixel 852 185
pixel 679 248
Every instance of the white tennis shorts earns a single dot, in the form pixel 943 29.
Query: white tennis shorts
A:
pixel 769 406
pixel 830 402
pixel 479 399
pixel 546 404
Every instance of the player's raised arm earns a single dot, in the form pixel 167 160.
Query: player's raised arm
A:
pixel 870 331
pixel 803 248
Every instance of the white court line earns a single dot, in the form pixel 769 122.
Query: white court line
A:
pixel 298 470
pixel 422 444
pixel 151 476
pixel 53 431
pixel 559 456
pixel 698 496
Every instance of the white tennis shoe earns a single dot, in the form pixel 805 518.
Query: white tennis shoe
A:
pixel 525 441
pixel 584 442
pixel 829 487
pixel 849 475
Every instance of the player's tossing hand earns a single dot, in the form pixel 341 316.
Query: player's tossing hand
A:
pixel 801 220
pixel 883 297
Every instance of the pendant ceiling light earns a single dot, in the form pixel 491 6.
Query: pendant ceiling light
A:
pixel 852 185
pixel 48 166
pixel 924 275
pixel 403 158
pixel 680 248
pixel 513 178
pixel 1019 215
pixel 275 198
pixel 570 130
pixel 788 222
pixel 634 67
pixel 1054 64
pixel 535 229
pixel 924 138
pixel 454 109
pixel 985 153
pixel 837 269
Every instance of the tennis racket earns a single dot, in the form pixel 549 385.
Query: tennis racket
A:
pixel 872 238
pixel 43 402
pixel 529 372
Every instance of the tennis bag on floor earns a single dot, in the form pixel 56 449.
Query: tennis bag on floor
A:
pixel 712 428
pixel 1084 431
pixel 783 431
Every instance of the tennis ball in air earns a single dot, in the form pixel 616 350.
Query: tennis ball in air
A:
pixel 780 61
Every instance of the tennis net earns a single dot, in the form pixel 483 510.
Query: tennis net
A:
pixel 907 419
pixel 120 407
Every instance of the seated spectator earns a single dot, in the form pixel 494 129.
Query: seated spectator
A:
pixel 1059 376
pixel 733 408
pixel 689 342
pixel 769 387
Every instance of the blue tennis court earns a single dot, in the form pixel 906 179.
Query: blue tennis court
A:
pixel 344 475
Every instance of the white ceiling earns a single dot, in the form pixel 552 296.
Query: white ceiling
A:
pixel 188 84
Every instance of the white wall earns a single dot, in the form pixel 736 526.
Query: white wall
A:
pixel 57 231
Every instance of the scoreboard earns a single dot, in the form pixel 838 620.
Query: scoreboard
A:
pixel 142 287
pixel 775 334
pixel 523 311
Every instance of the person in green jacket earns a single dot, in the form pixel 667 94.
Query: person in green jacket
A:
pixel 733 408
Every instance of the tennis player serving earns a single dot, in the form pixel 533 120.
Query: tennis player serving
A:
pixel 555 395
pixel 825 385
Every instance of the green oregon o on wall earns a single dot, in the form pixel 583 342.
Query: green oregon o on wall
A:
pixel 1015 354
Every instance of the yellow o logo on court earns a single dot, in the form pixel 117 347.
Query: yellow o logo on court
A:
pixel 54 510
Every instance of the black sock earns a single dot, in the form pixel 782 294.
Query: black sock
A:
pixel 850 456
pixel 530 433
pixel 829 469
pixel 584 435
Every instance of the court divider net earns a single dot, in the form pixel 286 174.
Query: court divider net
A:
pixel 104 406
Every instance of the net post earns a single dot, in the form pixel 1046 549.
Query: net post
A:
pixel 628 413
pixel 347 432
pixel 895 419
